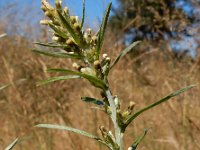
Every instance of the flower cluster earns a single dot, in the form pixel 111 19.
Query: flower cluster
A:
pixel 68 34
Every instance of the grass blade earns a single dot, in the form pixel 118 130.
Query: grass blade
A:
pixel 4 86
pixel 3 35
pixel 94 80
pixel 57 54
pixel 138 140
pixel 123 53
pixel 103 29
pixel 9 147
pixel 9 84
pixel 133 116
pixel 59 127
pixel 54 79
pixel 83 17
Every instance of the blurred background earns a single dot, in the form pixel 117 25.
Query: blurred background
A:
pixel 167 60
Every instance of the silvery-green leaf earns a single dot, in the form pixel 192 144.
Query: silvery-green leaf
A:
pixel 69 28
pixel 9 147
pixel 94 80
pixel 58 31
pixel 57 54
pixel 54 79
pixel 83 17
pixel 133 116
pixel 92 100
pixel 102 30
pixel 81 132
pixel 138 140
pixel 123 53
pixel 55 45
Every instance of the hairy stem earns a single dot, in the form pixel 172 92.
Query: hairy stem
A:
pixel 118 132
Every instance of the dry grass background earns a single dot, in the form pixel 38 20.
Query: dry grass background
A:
pixel 142 78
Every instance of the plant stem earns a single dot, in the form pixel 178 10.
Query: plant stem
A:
pixel 118 133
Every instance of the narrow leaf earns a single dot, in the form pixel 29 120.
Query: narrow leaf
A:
pixel 133 116
pixel 103 29
pixel 4 86
pixel 94 80
pixel 57 54
pixel 92 100
pixel 54 79
pixel 123 53
pixel 9 84
pixel 138 140
pixel 59 127
pixel 69 28
pixel 11 145
pixel 51 45
pixel 3 35
pixel 83 17
pixel 58 31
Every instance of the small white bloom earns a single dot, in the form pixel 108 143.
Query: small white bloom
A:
pixel 105 55
pixel 130 148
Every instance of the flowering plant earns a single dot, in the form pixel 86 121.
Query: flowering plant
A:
pixel 83 46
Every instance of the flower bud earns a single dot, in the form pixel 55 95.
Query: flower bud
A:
pixel 105 55
pixel 131 105
pixel 44 22
pixel 76 66
pixel 55 38
pixel 71 52
pixel 97 64
pixel 87 37
pixel 77 27
pixel 43 8
pixel 73 19
pixel 94 39
pixel 55 22
pixel 47 5
pixel 58 4
pixel 66 10
pixel 48 14
pixel 70 42
pixel 108 59
pixel 89 31
pixel 88 71
pixel 117 102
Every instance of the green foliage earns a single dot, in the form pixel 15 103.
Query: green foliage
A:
pixel 81 132
pixel 54 79
pixel 83 17
pixel 123 53
pixel 138 140
pixel 70 36
pixel 92 100
pixel 168 97
pixel 102 30
pixel 57 54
